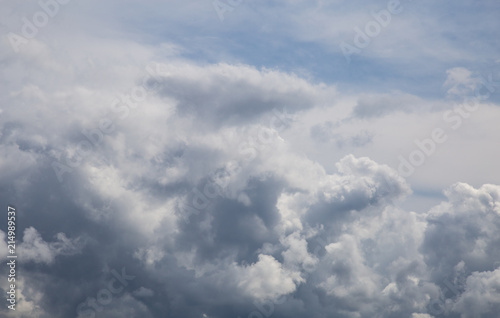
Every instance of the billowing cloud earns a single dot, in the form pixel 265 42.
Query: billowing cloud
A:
pixel 481 295
pixel 165 163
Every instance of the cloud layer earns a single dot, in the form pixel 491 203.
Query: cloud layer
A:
pixel 166 164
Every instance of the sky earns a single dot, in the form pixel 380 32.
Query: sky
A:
pixel 250 159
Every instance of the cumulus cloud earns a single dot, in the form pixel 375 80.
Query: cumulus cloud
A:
pixel 176 166
pixel 481 295
pixel 266 279
pixel 464 229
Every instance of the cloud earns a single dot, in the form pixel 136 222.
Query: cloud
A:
pixel 256 174
pixel 372 106
pixel 232 94
pixel 464 229
pixel 481 295
pixel 266 279
pixel 143 292
pixel 421 316
pixel 460 82
pixel 35 249
pixel 325 133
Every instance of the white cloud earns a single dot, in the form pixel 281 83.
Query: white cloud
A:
pixel 267 279
pixel 460 82
pixel 33 248
pixel 311 209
